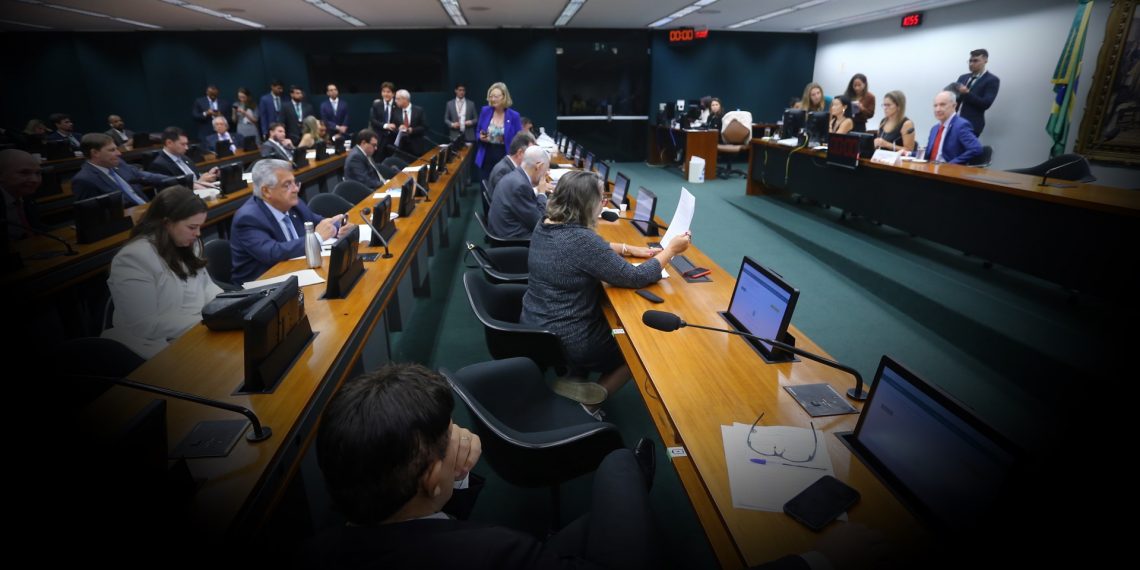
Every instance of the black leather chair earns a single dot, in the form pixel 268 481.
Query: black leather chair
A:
pixel 498 307
pixel 87 359
pixel 220 265
pixel 352 191
pixel 329 205
pixel 486 199
pixel 497 241
pixel 983 160
pixel 531 436
pixel 502 264
pixel 1071 167
pixel 391 166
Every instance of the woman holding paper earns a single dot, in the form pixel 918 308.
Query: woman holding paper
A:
pixel 896 132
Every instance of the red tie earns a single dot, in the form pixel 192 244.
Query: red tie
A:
pixel 407 117
pixel 937 143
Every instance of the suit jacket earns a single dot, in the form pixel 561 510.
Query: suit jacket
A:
pixel 120 141
pixel 271 149
pixel 205 122
pixel 360 168
pixel 333 120
pixel 959 145
pixel 413 140
pixel 31 212
pixel 503 168
pixel 972 106
pixel 451 115
pixel 512 124
pixel 212 140
pixel 292 121
pixel 89 182
pixel 515 210
pixel 258 242
pixel 57 136
pixel 163 164
pixel 266 114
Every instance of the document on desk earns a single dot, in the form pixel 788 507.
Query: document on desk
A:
pixel 556 174
pixel 682 217
pixel 305 277
pixel 766 482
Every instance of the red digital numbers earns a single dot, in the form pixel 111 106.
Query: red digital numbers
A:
pixel 681 35
pixel 912 20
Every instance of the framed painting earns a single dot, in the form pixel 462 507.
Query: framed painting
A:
pixel 1110 129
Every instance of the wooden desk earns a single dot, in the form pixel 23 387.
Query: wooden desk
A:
pixel 694 381
pixel 700 143
pixel 242 489
pixel 1063 235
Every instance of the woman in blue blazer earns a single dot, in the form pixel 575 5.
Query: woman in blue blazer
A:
pixel 498 124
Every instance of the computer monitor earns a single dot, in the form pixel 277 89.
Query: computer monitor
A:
pixel 100 217
pixel 563 145
pixel 762 305
pixel 434 167
pixel 321 150
pixel 249 144
pixel 276 330
pixel 142 140
pixel 50 184
pixel 621 188
pixel 680 106
pixel 793 123
pixel 817 126
pixel 345 266
pixel 940 459
pixel 643 214
pixel 229 178
pixel 194 152
pixel 57 150
pixel 382 220
pixel 407 198
pixel 222 149
pixel 588 164
pixel 300 157
pixel 603 170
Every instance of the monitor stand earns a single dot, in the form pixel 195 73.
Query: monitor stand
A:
pixel 777 356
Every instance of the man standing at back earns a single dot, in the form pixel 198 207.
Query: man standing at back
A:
pixel 295 112
pixel 411 127
pixel 460 115
pixel 952 139
pixel 977 91
pixel 334 112
pixel 206 108
pixel 269 108
pixel 384 117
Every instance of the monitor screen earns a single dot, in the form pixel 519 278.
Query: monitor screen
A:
pixel 100 217
pixel 407 198
pixel 603 170
pixel 793 122
pixel 762 304
pixel 621 187
pixel 589 162
pixel 345 266
pixel 381 220
pixel 275 331
pixel 681 105
pixel 645 209
pixel 817 126
pixel 229 177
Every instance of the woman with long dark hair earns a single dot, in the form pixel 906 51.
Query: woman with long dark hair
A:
pixel 863 101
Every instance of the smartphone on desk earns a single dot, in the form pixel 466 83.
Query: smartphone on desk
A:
pixel 822 502
pixel 696 273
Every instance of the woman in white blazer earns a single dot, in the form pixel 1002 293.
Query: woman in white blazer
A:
pixel 158 280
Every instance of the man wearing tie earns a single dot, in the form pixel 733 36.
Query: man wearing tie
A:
pixel 269 107
pixel 411 128
pixel 952 139
pixel 222 134
pixel 206 108
pixel 271 227
pixel 382 120
pixel 119 132
pixel 358 165
pixel 277 145
pixel 171 161
pixel 977 91
pixel 460 116
pixel 334 112
pixel 64 130
pixel 19 179
pixel 105 173
pixel 296 109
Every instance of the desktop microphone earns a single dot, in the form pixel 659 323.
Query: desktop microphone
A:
pixel 614 216
pixel 259 433
pixel 366 215
pixel 1054 169
pixel 669 322
pixel 45 255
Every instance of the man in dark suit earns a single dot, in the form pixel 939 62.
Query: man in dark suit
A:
pixel 516 206
pixel 19 179
pixel 105 173
pixel 172 161
pixel 411 124
pixel 977 91
pixel 270 227
pixel 460 115
pixel 269 107
pixel 952 139
pixel 119 132
pixel 334 112
pixel 384 117
pixel 222 133
pixel 294 113
pixel 358 165
pixel 277 145
pixel 64 130
pixel 522 141
pixel 206 108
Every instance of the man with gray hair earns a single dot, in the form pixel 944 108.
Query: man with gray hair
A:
pixel 222 134
pixel 271 227
pixel 522 141
pixel 411 125
pixel 520 198
pixel 952 139
pixel 19 179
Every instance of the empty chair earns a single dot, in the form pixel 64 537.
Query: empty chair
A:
pixel 1072 167
pixel 329 205
pixel 220 265
pixel 502 264
pixel 983 160
pixel 498 307
pixel 352 191
pixel 391 166
pixel 735 136
pixel 497 241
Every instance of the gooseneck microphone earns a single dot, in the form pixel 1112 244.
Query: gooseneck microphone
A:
pixel 669 322
pixel 1045 177
pixel 614 216
pixel 45 254
pixel 366 215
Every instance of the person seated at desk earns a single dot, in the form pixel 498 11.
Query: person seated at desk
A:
pixel 158 280
pixel 64 130
pixel 568 262
pixel 222 133
pixel 841 121
pixel 106 173
pixel 19 179
pixel 952 139
pixel 312 132
pixel 172 160
pixel 522 141
pixel 358 165
pixel 270 228
pixel 119 132
pixel 32 138
pixel 716 115
pixel 896 131
pixel 498 124
pixel 813 99
pixel 277 145
pixel 519 200
pixel 394 464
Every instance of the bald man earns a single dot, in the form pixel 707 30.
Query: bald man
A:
pixel 952 139
pixel 19 179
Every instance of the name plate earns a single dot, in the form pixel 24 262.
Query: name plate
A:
pixel 884 156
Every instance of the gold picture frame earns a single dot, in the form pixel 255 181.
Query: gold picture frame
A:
pixel 1110 129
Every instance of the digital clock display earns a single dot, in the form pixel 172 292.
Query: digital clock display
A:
pixel 912 20
pixel 687 35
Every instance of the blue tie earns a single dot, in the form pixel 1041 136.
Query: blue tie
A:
pixel 290 231
pixel 126 188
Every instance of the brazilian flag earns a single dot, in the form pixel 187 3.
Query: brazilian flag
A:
pixel 1065 78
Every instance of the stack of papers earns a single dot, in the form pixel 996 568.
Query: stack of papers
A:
pixel 305 277
pixel 767 486
pixel 555 174
pixel 789 142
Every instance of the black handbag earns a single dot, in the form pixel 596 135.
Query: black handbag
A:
pixel 225 312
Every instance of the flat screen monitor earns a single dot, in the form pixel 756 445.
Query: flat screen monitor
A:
pixel 321 150
pixel 276 329
pixel 644 212
pixel 588 164
pixel 603 170
pixel 817 127
pixel 382 220
pixel 194 152
pixel 345 265
pixel 229 177
pixel 142 140
pixel 249 144
pixel 939 458
pixel 300 158
pixel 57 150
pixel 434 167
pixel 562 145
pixel 100 217
pixel 222 149
pixel 762 305
pixel 793 123
pixel 407 198
pixel 621 189
pixel 680 106
pixel 50 184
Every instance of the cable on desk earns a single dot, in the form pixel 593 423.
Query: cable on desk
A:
pixel 788 164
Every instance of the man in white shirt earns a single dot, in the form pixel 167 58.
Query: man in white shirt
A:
pixel 172 161
pixel 334 112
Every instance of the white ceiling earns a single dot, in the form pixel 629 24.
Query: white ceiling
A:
pixel 28 15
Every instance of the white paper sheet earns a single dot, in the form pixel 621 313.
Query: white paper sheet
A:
pixel 682 218
pixel 557 173
pixel 767 486
pixel 305 277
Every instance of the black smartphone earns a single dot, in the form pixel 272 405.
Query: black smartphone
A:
pixel 821 502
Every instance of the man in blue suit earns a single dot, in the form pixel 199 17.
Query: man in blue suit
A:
pixel 206 108
pixel 952 139
pixel 105 173
pixel 269 108
pixel 977 91
pixel 271 227
pixel 334 112
pixel 358 165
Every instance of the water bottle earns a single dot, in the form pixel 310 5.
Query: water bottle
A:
pixel 312 246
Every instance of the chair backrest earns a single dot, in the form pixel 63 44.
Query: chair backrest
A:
pixel 983 159
pixel 1072 167
pixel 486 199
pixel 497 241
pixel 499 307
pixel 92 357
pixel 219 264
pixel 329 205
pixel 352 191
pixel 736 127
pixel 503 264
pixel 109 313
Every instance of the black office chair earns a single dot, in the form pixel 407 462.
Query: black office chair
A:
pixel 1071 167
pixel 531 436
pixel 391 166
pixel 499 307
pixel 87 359
pixel 352 191
pixel 983 160
pixel 486 198
pixel 109 313
pixel 502 264
pixel 497 241
pixel 329 205
pixel 220 265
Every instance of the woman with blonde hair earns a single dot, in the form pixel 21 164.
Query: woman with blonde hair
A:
pixel 814 99
pixel 312 131
pixel 498 124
